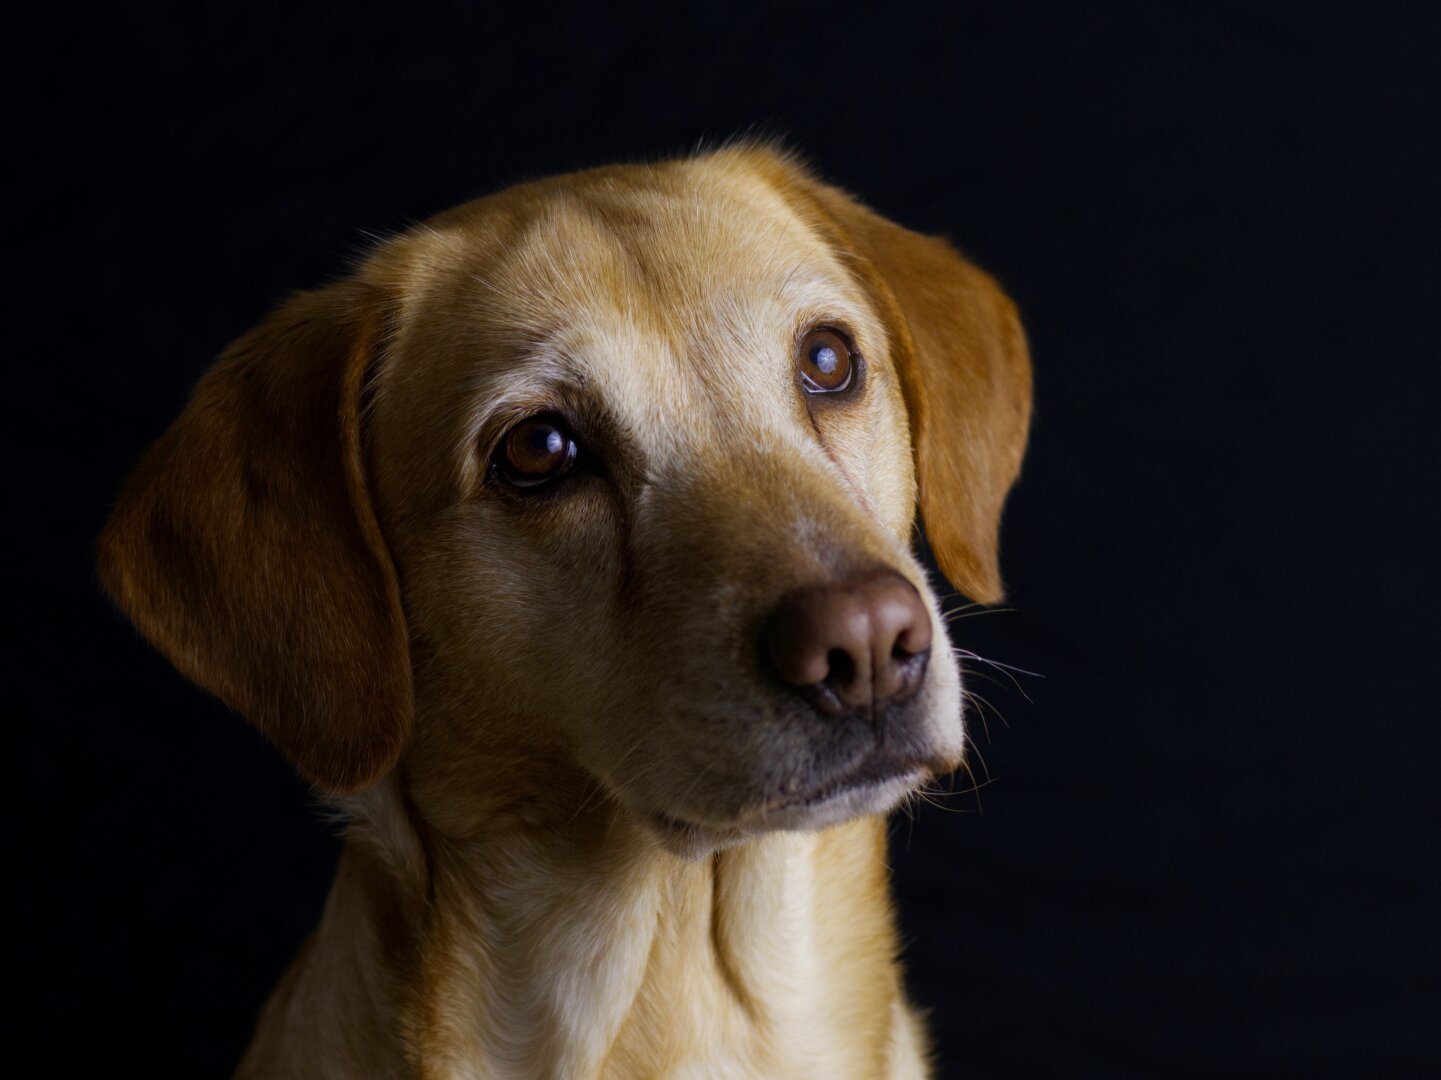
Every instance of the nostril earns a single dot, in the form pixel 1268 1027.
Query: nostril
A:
pixel 912 648
pixel 907 622
pixel 841 668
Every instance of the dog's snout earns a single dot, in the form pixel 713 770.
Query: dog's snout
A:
pixel 857 643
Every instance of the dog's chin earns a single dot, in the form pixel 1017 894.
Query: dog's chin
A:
pixel 866 791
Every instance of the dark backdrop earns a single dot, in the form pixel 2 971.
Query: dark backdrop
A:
pixel 1208 843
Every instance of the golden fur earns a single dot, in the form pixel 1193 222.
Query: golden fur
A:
pixel 518 702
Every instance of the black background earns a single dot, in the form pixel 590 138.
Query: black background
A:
pixel 1208 844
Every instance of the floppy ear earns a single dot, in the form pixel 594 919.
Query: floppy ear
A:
pixel 246 549
pixel 965 373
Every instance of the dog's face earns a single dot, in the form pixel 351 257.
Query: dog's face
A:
pixel 625 471
pixel 607 456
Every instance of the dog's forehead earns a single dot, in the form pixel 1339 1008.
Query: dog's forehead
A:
pixel 662 293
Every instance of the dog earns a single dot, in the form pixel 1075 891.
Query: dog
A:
pixel 566 546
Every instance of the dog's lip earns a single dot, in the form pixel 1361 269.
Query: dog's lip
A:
pixel 797 808
pixel 869 773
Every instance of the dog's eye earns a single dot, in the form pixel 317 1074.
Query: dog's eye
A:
pixel 825 362
pixel 534 452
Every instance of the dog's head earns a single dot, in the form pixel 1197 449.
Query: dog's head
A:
pixel 616 470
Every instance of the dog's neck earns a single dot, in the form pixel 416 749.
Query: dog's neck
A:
pixel 581 949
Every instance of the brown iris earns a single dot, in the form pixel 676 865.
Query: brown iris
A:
pixel 825 361
pixel 534 452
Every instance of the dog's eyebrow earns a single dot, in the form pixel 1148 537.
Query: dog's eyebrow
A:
pixel 528 382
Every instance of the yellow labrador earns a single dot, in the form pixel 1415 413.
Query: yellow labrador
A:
pixel 566 545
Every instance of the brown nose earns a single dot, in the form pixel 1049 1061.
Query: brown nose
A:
pixel 858 643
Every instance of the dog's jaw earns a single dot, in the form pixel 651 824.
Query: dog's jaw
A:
pixel 829 805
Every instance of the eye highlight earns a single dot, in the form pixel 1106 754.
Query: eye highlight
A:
pixel 826 363
pixel 536 451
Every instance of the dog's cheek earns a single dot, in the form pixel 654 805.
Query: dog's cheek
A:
pixel 516 610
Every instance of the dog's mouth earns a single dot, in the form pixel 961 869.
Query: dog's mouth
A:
pixel 868 774
pixel 872 787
